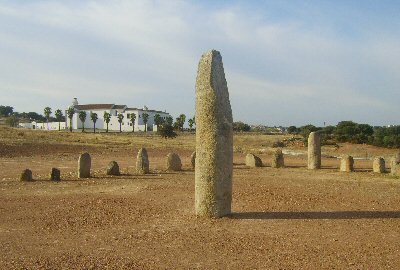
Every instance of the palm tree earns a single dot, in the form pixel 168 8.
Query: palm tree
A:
pixel 169 120
pixel 133 118
pixel 120 118
pixel 47 112
pixel 145 117
pixel 59 116
pixel 82 116
pixel 158 120
pixel 191 122
pixel 180 121
pixel 94 118
pixel 107 118
pixel 70 113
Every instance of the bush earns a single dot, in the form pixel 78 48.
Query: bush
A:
pixel 166 131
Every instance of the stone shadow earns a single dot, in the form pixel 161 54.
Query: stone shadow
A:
pixel 317 215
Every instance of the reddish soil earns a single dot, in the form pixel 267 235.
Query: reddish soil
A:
pixel 287 218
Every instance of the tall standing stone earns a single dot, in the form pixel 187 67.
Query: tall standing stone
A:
pixel 112 168
pixel 314 151
pixel 214 139
pixel 253 160
pixel 277 159
pixel 55 174
pixel 84 164
pixel 346 163
pixel 395 165
pixel 378 165
pixel 142 161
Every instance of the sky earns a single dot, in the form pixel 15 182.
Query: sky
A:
pixel 286 62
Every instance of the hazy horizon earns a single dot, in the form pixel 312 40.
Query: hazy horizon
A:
pixel 286 63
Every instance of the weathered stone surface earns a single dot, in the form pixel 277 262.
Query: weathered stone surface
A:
pixel 193 160
pixel 277 159
pixel 395 165
pixel 253 161
pixel 346 163
pixel 379 165
pixel 174 162
pixel 214 139
pixel 314 151
pixel 26 175
pixel 84 164
pixel 55 174
pixel 113 168
pixel 142 161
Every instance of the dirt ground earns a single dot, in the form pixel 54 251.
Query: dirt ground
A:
pixel 286 218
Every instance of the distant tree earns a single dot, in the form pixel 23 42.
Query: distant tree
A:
pixel 120 119
pixel 292 130
pixel 47 113
pixel 158 120
pixel 59 116
pixel 169 120
pixel 166 130
pixel 94 118
pixel 133 120
pixel 306 130
pixel 145 117
pixel 180 121
pixel 70 113
pixel 12 121
pixel 107 118
pixel 240 126
pixel 35 116
pixel 82 116
pixel 6 110
pixel 191 122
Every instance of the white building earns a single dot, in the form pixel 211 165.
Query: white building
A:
pixel 43 126
pixel 113 110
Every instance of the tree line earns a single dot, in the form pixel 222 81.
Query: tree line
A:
pixel 349 131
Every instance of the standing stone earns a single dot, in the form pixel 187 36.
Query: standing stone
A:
pixel 253 161
pixel 84 164
pixel 379 165
pixel 142 161
pixel 26 175
pixel 277 159
pixel 173 162
pixel 112 168
pixel 314 151
pixel 395 165
pixel 214 139
pixel 55 174
pixel 347 164
pixel 193 160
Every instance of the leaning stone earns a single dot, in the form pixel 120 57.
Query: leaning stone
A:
pixel 112 168
pixel 142 161
pixel 277 159
pixel 193 160
pixel 26 175
pixel 253 161
pixel 214 139
pixel 346 163
pixel 314 151
pixel 55 174
pixel 395 165
pixel 379 165
pixel 84 164
pixel 173 162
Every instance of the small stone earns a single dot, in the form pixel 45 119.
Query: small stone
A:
pixel 142 161
pixel 193 160
pixel 113 168
pixel 253 161
pixel 26 175
pixel 84 165
pixel 277 159
pixel 379 165
pixel 55 174
pixel 347 163
pixel 173 162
